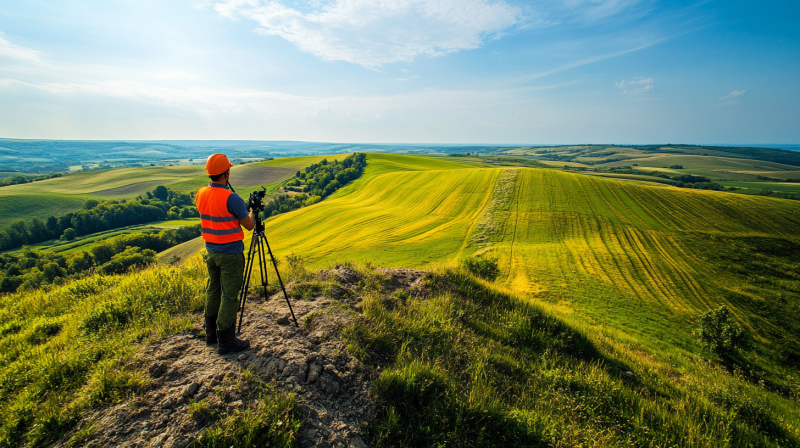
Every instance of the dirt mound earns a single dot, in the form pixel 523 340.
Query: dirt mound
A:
pixel 331 387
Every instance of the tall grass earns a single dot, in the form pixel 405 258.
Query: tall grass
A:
pixel 67 348
pixel 473 366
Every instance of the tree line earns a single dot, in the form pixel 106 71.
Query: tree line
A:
pixel 30 268
pixel 18 179
pixel 96 216
pixel 318 181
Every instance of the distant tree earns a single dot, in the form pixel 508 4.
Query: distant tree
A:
pixel 90 204
pixel 69 234
pixel 161 192
pixel 676 167
pixel 719 333
pixel 38 231
pixel 18 233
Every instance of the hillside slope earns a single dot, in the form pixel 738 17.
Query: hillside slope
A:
pixel 618 250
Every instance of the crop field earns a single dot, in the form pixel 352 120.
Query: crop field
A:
pixel 644 260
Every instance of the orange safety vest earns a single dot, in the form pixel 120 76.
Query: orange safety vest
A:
pixel 219 225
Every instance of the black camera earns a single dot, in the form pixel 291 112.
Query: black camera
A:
pixel 256 200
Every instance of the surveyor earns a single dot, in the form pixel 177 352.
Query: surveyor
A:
pixel 223 213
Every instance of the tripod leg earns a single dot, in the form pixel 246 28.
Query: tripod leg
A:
pixel 246 280
pixel 277 273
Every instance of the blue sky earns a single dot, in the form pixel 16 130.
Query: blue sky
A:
pixel 437 71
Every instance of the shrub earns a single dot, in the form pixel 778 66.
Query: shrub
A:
pixel 485 268
pixel 720 334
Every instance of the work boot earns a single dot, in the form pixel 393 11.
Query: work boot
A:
pixel 228 342
pixel 211 330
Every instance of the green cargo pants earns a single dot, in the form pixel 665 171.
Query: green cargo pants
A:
pixel 224 282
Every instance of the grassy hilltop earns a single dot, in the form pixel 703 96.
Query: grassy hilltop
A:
pixel 584 340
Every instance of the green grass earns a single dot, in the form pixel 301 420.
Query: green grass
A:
pixel 471 366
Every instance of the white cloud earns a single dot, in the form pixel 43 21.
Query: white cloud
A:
pixel 734 94
pixel 9 50
pixel 636 87
pixel 377 32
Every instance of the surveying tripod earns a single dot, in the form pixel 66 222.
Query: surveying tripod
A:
pixel 257 244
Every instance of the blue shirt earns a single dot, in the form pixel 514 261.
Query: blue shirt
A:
pixel 236 208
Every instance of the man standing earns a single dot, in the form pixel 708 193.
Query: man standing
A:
pixel 222 213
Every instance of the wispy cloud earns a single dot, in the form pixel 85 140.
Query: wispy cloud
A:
pixel 9 50
pixel 734 94
pixel 637 87
pixel 585 61
pixel 373 33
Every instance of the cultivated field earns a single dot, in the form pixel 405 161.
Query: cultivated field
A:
pixel 615 250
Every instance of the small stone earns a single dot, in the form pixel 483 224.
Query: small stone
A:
pixel 313 373
pixel 235 404
pixel 242 357
pixel 190 389
pixel 283 320
pixel 215 382
pixel 629 374
pixel 168 403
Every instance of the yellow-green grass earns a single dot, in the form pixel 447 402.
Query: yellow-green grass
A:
pixel 641 259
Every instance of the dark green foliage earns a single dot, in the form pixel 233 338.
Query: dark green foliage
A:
pixel 14 180
pixel 719 333
pixel 31 268
pixel 69 234
pixel 319 181
pixel 676 167
pixel 100 216
pixel 130 257
pixel 483 267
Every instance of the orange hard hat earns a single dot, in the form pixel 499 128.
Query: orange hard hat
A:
pixel 217 164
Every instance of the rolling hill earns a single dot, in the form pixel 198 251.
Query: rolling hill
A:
pixel 643 259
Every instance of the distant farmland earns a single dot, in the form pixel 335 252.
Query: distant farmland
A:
pixel 55 197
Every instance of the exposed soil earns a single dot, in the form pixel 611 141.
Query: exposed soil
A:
pixel 249 174
pixel 332 388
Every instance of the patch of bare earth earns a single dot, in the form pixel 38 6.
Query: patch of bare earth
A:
pixel 331 387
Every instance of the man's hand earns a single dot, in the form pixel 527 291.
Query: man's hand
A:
pixel 249 221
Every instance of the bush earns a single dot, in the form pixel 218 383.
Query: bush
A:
pixel 720 334
pixel 69 234
pixel 485 268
